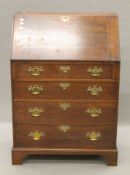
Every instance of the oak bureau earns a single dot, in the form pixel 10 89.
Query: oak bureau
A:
pixel 65 85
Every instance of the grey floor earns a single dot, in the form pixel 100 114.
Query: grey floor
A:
pixel 70 165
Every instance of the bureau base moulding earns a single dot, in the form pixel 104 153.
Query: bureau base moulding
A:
pixel 19 154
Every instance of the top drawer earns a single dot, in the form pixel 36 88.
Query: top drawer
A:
pixel 31 70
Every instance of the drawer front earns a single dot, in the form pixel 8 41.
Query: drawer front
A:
pixel 65 136
pixel 58 112
pixel 41 71
pixel 65 90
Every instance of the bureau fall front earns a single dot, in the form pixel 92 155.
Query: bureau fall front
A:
pixel 65 85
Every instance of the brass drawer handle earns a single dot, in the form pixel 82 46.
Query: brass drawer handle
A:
pixel 64 106
pixel 35 70
pixel 35 112
pixel 94 90
pixel 94 112
pixel 36 135
pixel 93 136
pixel 35 89
pixel 64 128
pixel 95 71
pixel 64 86
pixel 65 69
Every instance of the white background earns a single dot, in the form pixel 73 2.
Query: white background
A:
pixel 7 10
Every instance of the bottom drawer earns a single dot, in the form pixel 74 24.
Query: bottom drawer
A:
pixel 65 136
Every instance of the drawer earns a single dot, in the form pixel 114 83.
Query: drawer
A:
pixel 58 70
pixel 65 136
pixel 64 111
pixel 65 90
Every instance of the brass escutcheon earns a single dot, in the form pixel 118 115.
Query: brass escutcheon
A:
pixel 64 128
pixel 64 85
pixel 64 106
pixel 65 18
pixel 65 69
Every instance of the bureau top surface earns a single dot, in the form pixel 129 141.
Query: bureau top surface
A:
pixel 82 37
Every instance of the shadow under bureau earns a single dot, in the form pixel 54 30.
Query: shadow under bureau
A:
pixel 65 85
